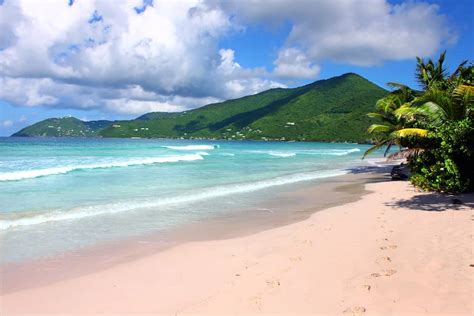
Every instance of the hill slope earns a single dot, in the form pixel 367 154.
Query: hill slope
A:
pixel 326 110
pixel 63 127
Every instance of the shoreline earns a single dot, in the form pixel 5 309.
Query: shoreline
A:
pixel 332 191
pixel 394 250
pixel 200 139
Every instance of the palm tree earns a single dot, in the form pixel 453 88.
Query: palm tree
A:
pixel 430 73
pixel 405 113
pixel 437 106
pixel 395 126
pixel 445 98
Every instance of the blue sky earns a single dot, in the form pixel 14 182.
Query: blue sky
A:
pixel 117 60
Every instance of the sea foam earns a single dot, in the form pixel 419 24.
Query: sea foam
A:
pixel 29 174
pixel 134 205
pixel 330 152
pixel 282 154
pixel 193 147
pixel 322 152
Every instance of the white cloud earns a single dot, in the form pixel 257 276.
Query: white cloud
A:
pixel 293 63
pixel 130 100
pixel 28 92
pixel 359 32
pixel 139 107
pixel 105 56
pixel 7 123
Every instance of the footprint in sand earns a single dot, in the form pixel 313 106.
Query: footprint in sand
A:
pixel 387 272
pixel 295 259
pixel 307 242
pixel 383 260
pixel 356 310
pixel 273 283
pixel 388 247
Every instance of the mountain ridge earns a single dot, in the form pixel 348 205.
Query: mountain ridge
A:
pixel 332 109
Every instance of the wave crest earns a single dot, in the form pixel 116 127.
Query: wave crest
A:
pixel 331 152
pixel 281 154
pixel 30 174
pixel 193 147
pixel 213 192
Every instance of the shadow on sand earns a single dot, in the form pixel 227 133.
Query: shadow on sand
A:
pixel 424 201
pixel 435 202
pixel 374 173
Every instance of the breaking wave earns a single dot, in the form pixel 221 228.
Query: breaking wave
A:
pixel 30 174
pixel 193 147
pixel 213 192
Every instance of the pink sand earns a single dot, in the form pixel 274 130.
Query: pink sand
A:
pixel 366 257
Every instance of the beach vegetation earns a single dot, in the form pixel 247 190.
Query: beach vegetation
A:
pixel 432 128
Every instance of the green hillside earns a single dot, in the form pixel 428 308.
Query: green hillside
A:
pixel 63 127
pixel 326 110
pixel 153 115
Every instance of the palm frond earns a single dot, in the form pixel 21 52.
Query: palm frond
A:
pixel 397 85
pixel 458 70
pixel 464 93
pixel 432 111
pixel 389 145
pixel 406 132
pixel 375 115
pixel 379 128
pixel 375 147
pixel 406 111
pixel 405 153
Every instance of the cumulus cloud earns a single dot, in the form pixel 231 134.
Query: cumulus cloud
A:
pixel 293 63
pixel 121 56
pixel 359 32
pixel 134 56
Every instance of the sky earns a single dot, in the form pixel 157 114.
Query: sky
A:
pixel 100 59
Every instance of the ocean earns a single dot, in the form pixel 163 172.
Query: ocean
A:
pixel 62 194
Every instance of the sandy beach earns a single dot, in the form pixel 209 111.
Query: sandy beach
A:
pixel 395 251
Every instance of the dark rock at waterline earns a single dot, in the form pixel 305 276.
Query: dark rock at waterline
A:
pixel 400 173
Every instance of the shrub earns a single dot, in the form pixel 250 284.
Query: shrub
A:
pixel 449 166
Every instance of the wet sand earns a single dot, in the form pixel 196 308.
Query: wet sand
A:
pixel 391 251
pixel 287 205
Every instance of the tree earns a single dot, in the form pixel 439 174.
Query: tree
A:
pixel 394 126
pixel 430 73
pixel 433 128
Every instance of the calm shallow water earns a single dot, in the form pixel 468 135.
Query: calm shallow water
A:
pixel 63 194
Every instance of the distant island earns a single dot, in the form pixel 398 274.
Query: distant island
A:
pixel 326 110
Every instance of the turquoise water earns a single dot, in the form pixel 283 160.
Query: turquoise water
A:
pixel 63 194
